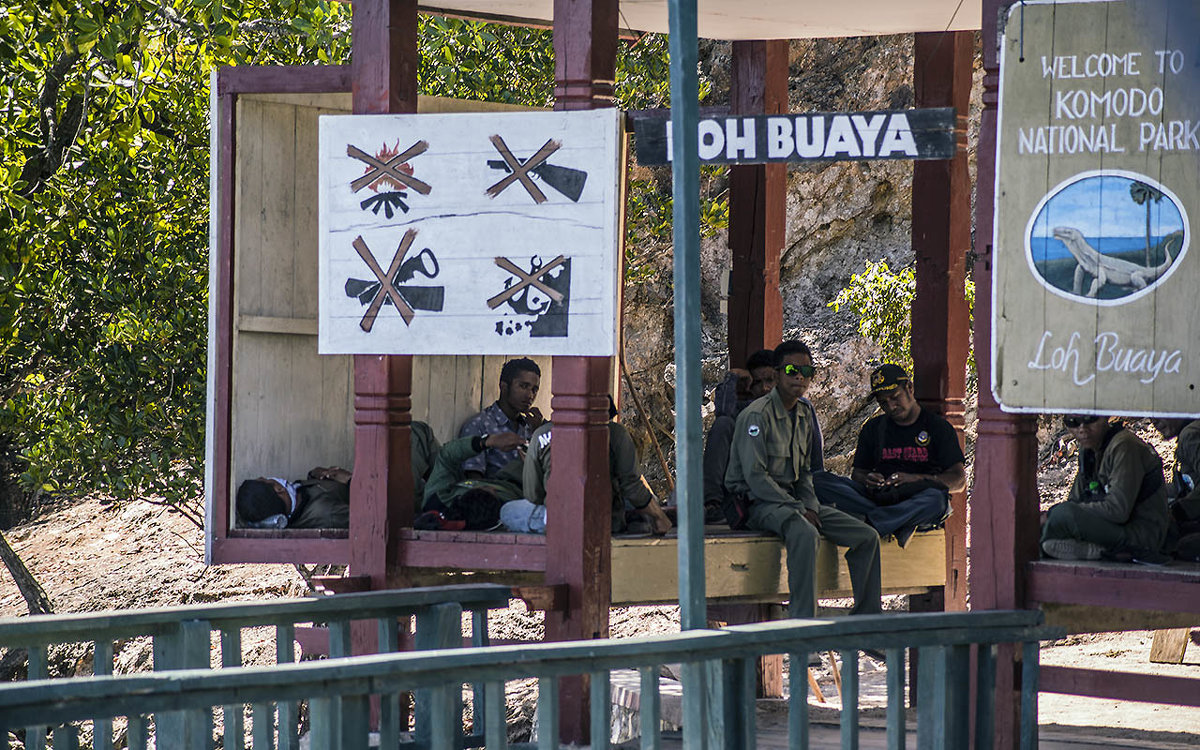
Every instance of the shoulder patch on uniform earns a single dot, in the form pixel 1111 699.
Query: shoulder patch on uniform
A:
pixel 753 430
pixel 544 439
pixel 922 438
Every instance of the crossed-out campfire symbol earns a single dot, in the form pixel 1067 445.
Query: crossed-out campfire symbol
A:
pixel 395 172
pixel 387 286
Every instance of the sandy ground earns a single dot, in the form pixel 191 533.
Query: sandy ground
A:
pixel 93 556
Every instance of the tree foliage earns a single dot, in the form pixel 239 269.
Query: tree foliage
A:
pixel 103 228
pixel 883 299
pixel 104 210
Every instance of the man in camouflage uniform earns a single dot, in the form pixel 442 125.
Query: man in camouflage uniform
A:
pixel 629 488
pixel 769 465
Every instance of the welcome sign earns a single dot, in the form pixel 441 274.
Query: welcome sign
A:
pixel 1096 294
pixel 469 233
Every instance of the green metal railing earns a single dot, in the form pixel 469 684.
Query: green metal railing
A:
pixel 182 638
pixel 339 691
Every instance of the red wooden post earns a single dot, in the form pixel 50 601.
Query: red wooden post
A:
pixel 578 535
pixel 757 203
pixel 384 74
pixel 941 236
pixel 1004 521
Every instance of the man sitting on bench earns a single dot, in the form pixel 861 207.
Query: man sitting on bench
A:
pixel 635 510
pixel 512 412
pixel 1183 493
pixel 1118 499
pixel 733 394
pixel 769 470
pixel 454 500
pixel 907 463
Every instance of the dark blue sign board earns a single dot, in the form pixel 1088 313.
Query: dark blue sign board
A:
pixel 815 136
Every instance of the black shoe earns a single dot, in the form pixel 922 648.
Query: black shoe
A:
pixel 713 514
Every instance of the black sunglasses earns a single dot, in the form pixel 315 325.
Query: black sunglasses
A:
pixel 793 370
pixel 1072 423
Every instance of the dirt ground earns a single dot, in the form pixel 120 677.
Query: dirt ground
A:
pixel 92 556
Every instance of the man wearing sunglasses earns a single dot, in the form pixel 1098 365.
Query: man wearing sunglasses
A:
pixel 730 397
pixel 770 472
pixel 1118 499
pixel 907 463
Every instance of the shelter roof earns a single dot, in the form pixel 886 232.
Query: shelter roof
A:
pixel 752 19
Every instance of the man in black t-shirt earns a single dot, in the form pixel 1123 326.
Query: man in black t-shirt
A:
pixel 907 463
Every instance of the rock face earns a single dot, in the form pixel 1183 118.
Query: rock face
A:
pixel 839 216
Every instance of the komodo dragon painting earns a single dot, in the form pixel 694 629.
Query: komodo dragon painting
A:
pixel 1108 270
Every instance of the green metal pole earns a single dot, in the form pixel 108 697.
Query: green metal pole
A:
pixel 685 173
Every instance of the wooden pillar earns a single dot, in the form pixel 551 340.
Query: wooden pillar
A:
pixel 757 204
pixel 941 236
pixel 384 73
pixel 1004 518
pixel 578 536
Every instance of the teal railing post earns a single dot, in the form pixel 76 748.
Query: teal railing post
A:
pixel 479 637
pixel 601 708
pixel 438 626
pixel 1029 695
pixel 685 173
pixel 35 737
pixel 185 647
pixel 849 697
pixel 547 713
pixel 895 699
pixel 233 713
pixel 798 700
pixel 102 666
pixel 985 696
pixel 389 703
pixel 649 709
pixel 289 711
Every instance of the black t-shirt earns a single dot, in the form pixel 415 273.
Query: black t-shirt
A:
pixel 927 446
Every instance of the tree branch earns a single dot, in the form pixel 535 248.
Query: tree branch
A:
pixel 35 595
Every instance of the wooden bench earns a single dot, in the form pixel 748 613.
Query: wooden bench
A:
pixel 739 566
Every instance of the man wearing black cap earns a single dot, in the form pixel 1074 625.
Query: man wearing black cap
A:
pixel 907 463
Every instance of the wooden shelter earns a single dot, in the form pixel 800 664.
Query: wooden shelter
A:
pixel 276 407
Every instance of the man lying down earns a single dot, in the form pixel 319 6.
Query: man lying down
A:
pixel 320 501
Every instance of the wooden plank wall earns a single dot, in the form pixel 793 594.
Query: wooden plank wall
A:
pixel 292 409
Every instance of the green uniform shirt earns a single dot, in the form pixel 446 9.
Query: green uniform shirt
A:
pixel 768 459
pixel 627 482
pixel 447 482
pixel 1121 468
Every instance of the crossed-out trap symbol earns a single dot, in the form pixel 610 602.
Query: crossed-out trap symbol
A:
pixel 390 169
pixel 520 170
pixel 387 289
pixel 533 279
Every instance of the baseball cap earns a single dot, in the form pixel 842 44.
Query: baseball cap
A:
pixel 887 377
